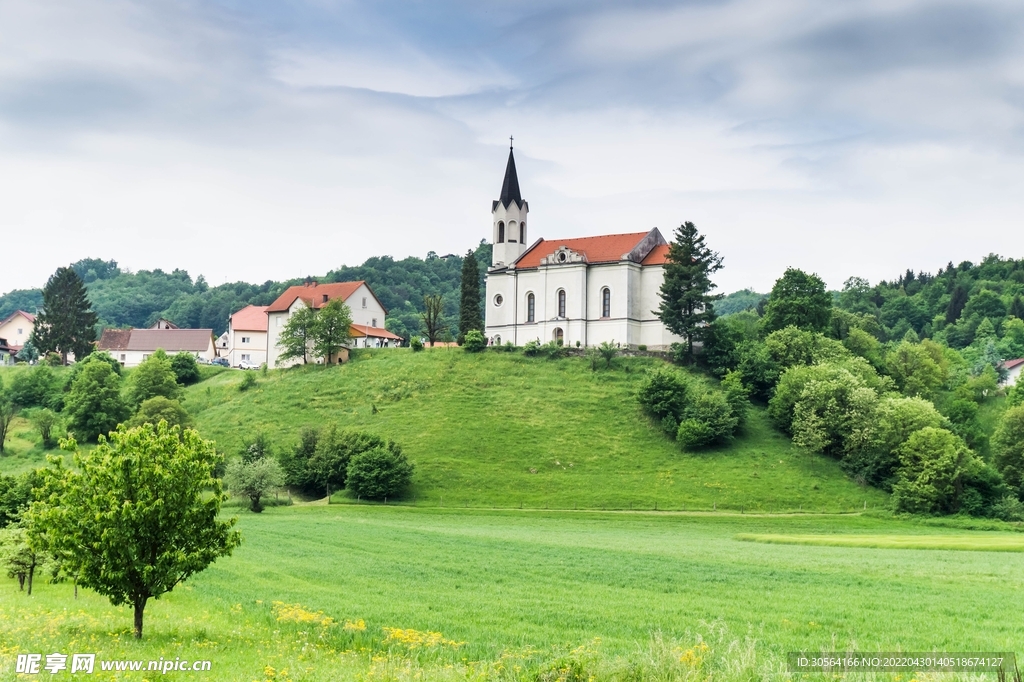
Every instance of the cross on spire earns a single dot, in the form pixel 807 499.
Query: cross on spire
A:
pixel 510 142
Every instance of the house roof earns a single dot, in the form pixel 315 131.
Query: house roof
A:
pixel 1010 364
pixel 657 256
pixel 252 318
pixel 361 330
pixel 114 339
pixel 28 316
pixel 171 340
pixel 609 248
pixel 4 346
pixel 313 294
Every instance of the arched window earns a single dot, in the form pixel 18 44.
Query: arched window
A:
pixel 512 231
pixel 522 233
pixel 531 308
pixel 497 340
pixel 561 302
pixel 606 302
pixel 559 336
pixel 501 231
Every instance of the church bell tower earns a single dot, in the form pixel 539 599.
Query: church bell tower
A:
pixel 508 219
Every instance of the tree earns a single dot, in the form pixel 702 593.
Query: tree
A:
pixel 433 317
pixel 137 515
pixel 934 464
pixel 707 419
pixel 800 300
pixel 46 422
pixel 186 369
pixel 1017 307
pixel 94 404
pixel 872 452
pixel 328 467
pixel 66 324
pixel 153 377
pixel 28 352
pixel 608 351
pixel 254 479
pixel 687 304
pixel 331 330
pixel 18 556
pixel 663 396
pixel 7 412
pixel 296 463
pixel 157 409
pixel 297 334
pixel 39 387
pixel 469 303
pixel 1008 448
pixel 914 369
pixel 379 473
pixel 957 301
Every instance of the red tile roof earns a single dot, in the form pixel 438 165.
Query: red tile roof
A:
pixel 313 294
pixel 28 316
pixel 114 339
pixel 360 330
pixel 657 256
pixel 171 340
pixel 609 248
pixel 251 318
pixel 1010 364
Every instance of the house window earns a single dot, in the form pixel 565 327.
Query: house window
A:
pixel 122 357
pixel 374 322
pixel 278 321
pixel 364 301
pixel 20 332
pixel 246 339
pixel 324 299
pixel 606 302
pixel 145 357
pixel 245 357
pixel 501 231
pixel 561 302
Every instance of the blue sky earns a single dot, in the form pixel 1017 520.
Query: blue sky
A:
pixel 266 140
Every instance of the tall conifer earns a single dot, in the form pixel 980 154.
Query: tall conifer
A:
pixel 469 306
pixel 687 304
pixel 66 324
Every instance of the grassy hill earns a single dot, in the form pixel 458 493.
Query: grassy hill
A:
pixel 506 430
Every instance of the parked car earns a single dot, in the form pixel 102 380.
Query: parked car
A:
pixel 245 364
pixel 223 362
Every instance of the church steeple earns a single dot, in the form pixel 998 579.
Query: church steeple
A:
pixel 508 218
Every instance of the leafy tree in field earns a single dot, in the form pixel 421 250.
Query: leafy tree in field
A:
pixel 66 324
pixel 297 334
pixel 94 404
pixel 915 370
pixel 433 317
pixel 934 464
pixel 39 387
pixel 687 304
pixel 18 557
pixel 254 479
pixel 474 341
pixel 1008 448
pixel 328 467
pixel 722 342
pixel 46 423
pixel 379 473
pixel 186 369
pixel 798 300
pixel 872 452
pixel 738 396
pixel 28 353
pixel 855 373
pixel 137 515
pixel 707 419
pixel 16 495
pixel 331 330
pixel 830 411
pixel 153 377
pixel 296 463
pixel 157 409
pixel 469 302
pixel 663 397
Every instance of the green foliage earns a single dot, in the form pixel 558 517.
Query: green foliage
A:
pixel 722 342
pixel 792 346
pixel 256 448
pixel 153 377
pixel 327 469
pixel 663 395
pixel 738 396
pixel 432 318
pixel 608 351
pixel 94 405
pixel 137 515
pixel 157 409
pixel 416 344
pixel 28 353
pixel 379 473
pixel 331 330
pixel 1008 449
pixel 934 464
pixel 915 369
pixel 46 422
pixel 872 451
pixel 296 463
pixel 39 387
pixel 186 369
pixel 19 558
pixel 66 324
pixel 469 301
pixel 798 300
pixel 707 419
pixel 248 381
pixel 791 387
pixel 687 304
pixel 963 416
pixel 254 479
pixel 474 341
pixel 16 495
pixel 738 301
pixel 863 344
pixel 532 348
pixel 831 408
pixel 297 334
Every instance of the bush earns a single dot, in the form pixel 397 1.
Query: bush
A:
pixel 248 381
pixel 1009 508
pixel 47 423
pixel 933 465
pixel 254 479
pixel 474 341
pixel 608 351
pixel 379 473
pixel 153 377
pixel 416 344
pixel 663 397
pixel 186 369
pixel 706 420
pixel 873 455
pixel 158 409
pixel 40 387
pixel 642 347
pixel 1008 448
pixel 531 348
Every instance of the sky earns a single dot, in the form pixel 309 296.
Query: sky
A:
pixel 254 140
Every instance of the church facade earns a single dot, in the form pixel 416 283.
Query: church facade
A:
pixel 580 291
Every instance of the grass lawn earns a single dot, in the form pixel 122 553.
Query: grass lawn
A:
pixel 534 589
pixel 504 430
pixel 974 542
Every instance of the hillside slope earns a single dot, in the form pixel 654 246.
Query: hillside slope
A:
pixel 504 430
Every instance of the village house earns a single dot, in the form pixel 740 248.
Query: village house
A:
pixel 368 315
pixel 17 329
pixel 131 346
pixel 1013 369
pixel 247 336
pixel 581 291
pixel 6 354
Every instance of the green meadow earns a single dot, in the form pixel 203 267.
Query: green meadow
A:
pixel 599 593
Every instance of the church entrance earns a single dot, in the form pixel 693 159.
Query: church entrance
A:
pixel 558 337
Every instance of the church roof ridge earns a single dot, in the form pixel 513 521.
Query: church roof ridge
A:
pixel 603 248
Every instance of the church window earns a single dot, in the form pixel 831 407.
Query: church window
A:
pixel 531 308
pixel 497 340
pixel 498 300
pixel 501 231
pixel 559 336
pixel 561 257
pixel 561 302
pixel 522 233
pixel 606 302
pixel 512 231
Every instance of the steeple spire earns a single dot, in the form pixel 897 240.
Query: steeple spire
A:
pixel 510 188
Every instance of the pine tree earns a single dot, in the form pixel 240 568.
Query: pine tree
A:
pixel 1017 308
pixel 66 324
pixel 469 307
pixel 687 305
pixel 956 304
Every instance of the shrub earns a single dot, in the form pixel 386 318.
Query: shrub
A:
pixel 248 381
pixel 379 473
pixel 158 409
pixel 258 447
pixel 642 347
pixel 707 419
pixel 474 341
pixel 416 344
pixel 830 411
pixel 39 387
pixel 1009 508
pixel 1008 448
pixel 531 348
pixel 608 351
pixel 737 394
pixel 933 465
pixel 47 423
pixel 663 397
pixel 328 467
pixel 153 377
pixel 94 403
pixel 186 369
pixel 872 453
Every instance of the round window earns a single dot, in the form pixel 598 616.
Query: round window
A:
pixel 498 300
pixel 561 257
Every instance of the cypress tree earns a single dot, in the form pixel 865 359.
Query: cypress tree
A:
pixel 66 324
pixel 469 306
pixel 687 304
pixel 956 304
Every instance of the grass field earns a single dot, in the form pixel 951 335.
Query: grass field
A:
pixel 544 591
pixel 506 430
pixel 975 542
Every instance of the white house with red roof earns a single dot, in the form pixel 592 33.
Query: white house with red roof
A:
pixel 583 291
pixel 368 315
pixel 247 336
pixel 1013 371
pixel 131 347
pixel 16 329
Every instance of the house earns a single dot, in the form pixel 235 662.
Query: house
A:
pixel 131 346
pixel 164 324
pixel 17 329
pixel 247 336
pixel 6 353
pixel 1013 369
pixel 223 345
pixel 368 315
pixel 583 290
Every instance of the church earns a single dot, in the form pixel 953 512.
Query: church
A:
pixel 580 292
